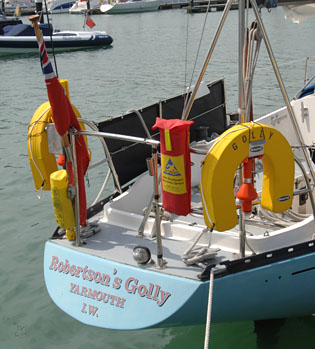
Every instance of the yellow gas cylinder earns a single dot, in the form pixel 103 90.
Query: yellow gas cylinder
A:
pixel 62 205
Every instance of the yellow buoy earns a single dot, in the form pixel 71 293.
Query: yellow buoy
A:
pixel 42 162
pixel 62 205
pixel 218 171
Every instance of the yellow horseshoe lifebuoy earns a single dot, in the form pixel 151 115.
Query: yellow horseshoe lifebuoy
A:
pixel 230 149
pixel 42 162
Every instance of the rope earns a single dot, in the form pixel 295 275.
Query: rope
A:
pixel 285 219
pixel 201 254
pixel 209 310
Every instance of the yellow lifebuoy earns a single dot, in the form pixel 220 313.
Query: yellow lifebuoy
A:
pixel 62 205
pixel 41 161
pixel 218 171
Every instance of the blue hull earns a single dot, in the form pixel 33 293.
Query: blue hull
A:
pixel 110 295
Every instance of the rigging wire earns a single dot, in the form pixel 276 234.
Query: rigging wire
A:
pixel 186 58
pixel 197 55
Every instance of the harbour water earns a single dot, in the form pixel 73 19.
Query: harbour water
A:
pixel 152 58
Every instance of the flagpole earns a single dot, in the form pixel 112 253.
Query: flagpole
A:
pixel 65 140
pixel 64 118
pixel 34 19
pixel 51 40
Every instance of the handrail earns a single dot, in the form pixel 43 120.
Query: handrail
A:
pixel 306 68
pixel 107 154
pixel 73 133
pixel 297 95
pixel 307 183
pixel 76 198
pixel 151 142
pixel 121 137
pixel 141 120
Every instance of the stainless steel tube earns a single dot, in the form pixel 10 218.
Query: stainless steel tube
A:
pixel 120 137
pixel 282 88
pixel 76 198
pixel 211 49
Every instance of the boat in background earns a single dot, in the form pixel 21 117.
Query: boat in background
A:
pixel 59 6
pixel 130 6
pixel 298 13
pixel 19 7
pixel 20 39
pixel 84 6
pixel 8 20
pixel 210 218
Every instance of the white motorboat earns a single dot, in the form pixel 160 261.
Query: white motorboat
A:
pixel 130 6
pixel 8 20
pixel 59 6
pixel 84 6
pixel 20 39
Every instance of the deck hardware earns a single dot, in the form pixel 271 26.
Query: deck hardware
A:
pixel 71 192
pixel 141 254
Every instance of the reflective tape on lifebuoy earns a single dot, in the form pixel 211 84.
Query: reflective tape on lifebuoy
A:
pixel 222 161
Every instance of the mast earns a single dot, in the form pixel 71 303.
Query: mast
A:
pixel 241 33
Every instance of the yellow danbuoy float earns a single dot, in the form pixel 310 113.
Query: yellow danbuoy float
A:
pixel 62 205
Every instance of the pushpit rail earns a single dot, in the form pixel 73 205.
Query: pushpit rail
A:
pixel 120 137
pixel 149 141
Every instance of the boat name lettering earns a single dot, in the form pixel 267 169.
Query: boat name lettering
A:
pixel 131 285
pixel 252 136
pixel 97 295
pixel 153 292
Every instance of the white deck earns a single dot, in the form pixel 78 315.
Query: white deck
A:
pixel 121 218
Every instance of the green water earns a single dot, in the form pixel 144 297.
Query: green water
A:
pixel 146 63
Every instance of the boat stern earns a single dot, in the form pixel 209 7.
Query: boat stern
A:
pixel 111 295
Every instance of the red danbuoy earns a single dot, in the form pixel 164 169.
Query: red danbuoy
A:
pixel 247 193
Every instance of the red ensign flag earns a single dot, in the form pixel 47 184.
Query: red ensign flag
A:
pixel 64 118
